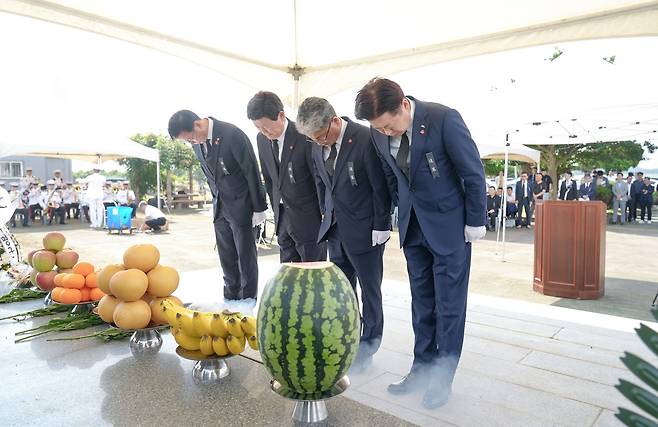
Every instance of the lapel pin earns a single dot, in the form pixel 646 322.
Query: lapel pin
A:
pixel 290 146
pixel 349 141
pixel 422 129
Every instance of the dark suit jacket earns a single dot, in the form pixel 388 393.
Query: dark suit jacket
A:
pixel 493 203
pixel 636 187
pixel 452 197
pixel 573 191
pixel 236 187
pixel 519 190
pixel 361 202
pixel 298 192
pixel 589 192
pixel 648 196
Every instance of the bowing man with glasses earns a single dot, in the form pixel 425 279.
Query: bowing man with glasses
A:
pixel 356 208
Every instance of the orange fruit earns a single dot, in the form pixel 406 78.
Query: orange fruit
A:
pixel 70 296
pixel 56 292
pixel 85 294
pixel 96 294
pixel 91 281
pixel 58 279
pixel 84 268
pixel 73 281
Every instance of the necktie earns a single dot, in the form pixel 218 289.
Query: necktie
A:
pixel 403 154
pixel 204 148
pixel 330 163
pixel 275 151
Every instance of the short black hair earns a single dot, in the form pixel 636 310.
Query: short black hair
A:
pixel 510 188
pixel 599 173
pixel 182 121
pixel 630 174
pixel 377 97
pixel 569 172
pixel 264 104
pixel 641 173
pixel 491 186
pixel 620 173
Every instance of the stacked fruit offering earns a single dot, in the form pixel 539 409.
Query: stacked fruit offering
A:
pixel 51 260
pixel 211 333
pixel 81 285
pixel 136 288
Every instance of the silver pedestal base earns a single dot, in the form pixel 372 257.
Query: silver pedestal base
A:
pixel 210 371
pixel 310 409
pixel 309 412
pixel 83 308
pixel 145 342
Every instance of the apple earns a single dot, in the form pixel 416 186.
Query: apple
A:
pixel 31 254
pixel 44 261
pixel 67 258
pixel 46 280
pixel 54 241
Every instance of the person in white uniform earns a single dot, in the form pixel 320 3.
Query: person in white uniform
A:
pixel 153 217
pixel 94 196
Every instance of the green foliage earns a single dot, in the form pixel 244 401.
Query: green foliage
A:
pixel 618 156
pixel 494 167
pixel 175 157
pixel 604 194
pixel 643 397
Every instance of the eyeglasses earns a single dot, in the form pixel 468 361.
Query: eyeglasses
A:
pixel 318 140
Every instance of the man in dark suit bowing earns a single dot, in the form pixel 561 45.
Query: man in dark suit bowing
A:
pixel 356 208
pixel 438 183
pixel 587 189
pixel 229 163
pixel 287 166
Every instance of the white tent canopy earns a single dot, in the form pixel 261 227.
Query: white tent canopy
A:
pixel 518 153
pixel 282 45
pixel 91 151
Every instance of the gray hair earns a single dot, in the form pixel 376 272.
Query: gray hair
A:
pixel 314 114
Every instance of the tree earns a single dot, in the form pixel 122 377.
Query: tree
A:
pixel 494 167
pixel 176 158
pixel 614 155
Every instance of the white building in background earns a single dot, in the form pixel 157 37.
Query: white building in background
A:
pixel 13 168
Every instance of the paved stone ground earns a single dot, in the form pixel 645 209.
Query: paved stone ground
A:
pixel 528 359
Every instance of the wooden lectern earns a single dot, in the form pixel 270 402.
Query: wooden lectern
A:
pixel 570 248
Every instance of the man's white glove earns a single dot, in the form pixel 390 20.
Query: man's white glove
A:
pixel 380 237
pixel 471 234
pixel 258 218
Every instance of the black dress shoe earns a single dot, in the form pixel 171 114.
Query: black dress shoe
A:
pixel 413 381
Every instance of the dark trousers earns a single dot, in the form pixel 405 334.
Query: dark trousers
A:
pixel 85 212
pixel 439 288
pixel 294 249
pixel 524 204
pixel 36 210
pixel 24 217
pixel 238 258
pixel 156 223
pixel 75 207
pixel 59 212
pixel 368 268
pixel 645 207
pixel 632 209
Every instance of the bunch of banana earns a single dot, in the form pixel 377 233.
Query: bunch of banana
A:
pixel 218 334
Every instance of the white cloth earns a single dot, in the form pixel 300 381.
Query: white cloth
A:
pixel 258 218
pixel 151 212
pixel 96 212
pixel 326 150
pixel 95 183
pixel 394 142
pixel 471 234
pixel 380 237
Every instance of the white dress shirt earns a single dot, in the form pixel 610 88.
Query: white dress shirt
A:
pixel 151 212
pixel 326 150
pixel 394 142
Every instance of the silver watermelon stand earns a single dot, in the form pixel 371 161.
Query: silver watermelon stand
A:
pixel 310 409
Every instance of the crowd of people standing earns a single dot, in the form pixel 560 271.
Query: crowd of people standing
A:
pixel 629 194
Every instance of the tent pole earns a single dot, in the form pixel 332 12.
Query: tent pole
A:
pixel 157 180
pixel 503 202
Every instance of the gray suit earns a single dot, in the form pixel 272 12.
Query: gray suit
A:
pixel 619 199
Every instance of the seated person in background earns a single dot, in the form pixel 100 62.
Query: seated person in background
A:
pixel 493 205
pixel 126 197
pixel 511 208
pixel 153 217
pixel 587 188
pixel 108 196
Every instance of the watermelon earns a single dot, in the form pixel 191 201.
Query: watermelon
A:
pixel 308 326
